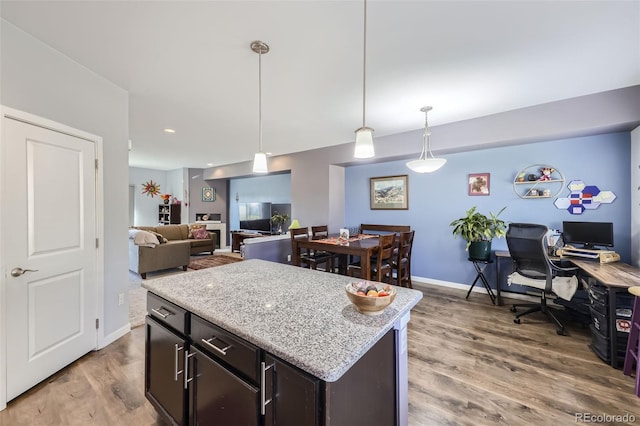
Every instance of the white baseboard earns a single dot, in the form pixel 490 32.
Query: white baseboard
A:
pixel 110 338
pixel 419 282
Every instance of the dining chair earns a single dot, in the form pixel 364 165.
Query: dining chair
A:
pixel 319 232
pixel 307 257
pixel 402 259
pixel 381 266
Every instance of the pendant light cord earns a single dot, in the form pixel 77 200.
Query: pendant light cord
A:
pixel 364 67
pixel 426 147
pixel 260 100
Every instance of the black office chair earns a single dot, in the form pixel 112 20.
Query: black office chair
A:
pixel 528 250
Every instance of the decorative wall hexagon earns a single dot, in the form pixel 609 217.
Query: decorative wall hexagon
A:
pixel 584 197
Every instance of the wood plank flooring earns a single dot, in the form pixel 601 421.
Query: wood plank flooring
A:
pixel 469 364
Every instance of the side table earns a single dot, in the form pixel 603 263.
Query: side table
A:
pixel 480 266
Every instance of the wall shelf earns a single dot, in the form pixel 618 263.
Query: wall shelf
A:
pixel 537 188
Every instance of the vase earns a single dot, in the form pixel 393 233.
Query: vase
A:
pixel 280 229
pixel 165 201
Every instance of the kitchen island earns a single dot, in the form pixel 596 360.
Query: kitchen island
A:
pixel 281 338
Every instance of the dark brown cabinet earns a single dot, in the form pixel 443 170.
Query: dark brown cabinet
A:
pixel 218 396
pixel 164 386
pixel 169 214
pixel 293 395
pixel 197 373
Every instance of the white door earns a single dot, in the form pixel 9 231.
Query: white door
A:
pixel 49 229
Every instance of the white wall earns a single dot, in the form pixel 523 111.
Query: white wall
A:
pixel 635 197
pixel 39 80
pixel 146 207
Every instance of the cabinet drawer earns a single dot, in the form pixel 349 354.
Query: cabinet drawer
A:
pixel 167 313
pixel 232 350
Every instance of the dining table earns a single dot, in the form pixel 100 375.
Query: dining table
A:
pixel 362 245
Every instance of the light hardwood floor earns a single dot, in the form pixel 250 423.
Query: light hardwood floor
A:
pixel 469 364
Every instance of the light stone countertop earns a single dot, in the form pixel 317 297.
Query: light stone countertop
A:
pixel 299 315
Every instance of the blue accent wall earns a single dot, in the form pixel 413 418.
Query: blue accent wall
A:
pixel 259 189
pixel 437 198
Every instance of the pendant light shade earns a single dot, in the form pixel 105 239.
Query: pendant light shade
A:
pixel 364 135
pixel 260 158
pixel 364 143
pixel 260 163
pixel 427 163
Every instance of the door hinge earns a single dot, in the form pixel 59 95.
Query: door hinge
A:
pixel 96 164
pixel 97 243
pixel 97 323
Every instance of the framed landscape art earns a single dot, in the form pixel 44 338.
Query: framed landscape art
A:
pixel 390 193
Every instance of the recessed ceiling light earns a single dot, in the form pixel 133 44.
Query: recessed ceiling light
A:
pixel 169 130
pixel 269 153
pixel 209 164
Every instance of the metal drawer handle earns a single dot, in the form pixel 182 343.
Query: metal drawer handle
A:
pixel 263 388
pixel 160 313
pixel 223 351
pixel 187 355
pixel 175 359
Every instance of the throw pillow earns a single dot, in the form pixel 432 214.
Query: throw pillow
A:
pixel 195 226
pixel 200 234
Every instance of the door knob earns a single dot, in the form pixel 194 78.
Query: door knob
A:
pixel 16 272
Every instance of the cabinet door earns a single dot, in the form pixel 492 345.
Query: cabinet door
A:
pixel 164 380
pixel 293 393
pixel 219 397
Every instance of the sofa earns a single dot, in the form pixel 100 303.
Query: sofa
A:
pixel 175 249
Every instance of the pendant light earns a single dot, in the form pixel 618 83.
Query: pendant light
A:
pixel 364 135
pixel 260 158
pixel 427 163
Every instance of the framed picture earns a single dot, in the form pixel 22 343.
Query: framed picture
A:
pixel 208 194
pixel 479 184
pixel 390 193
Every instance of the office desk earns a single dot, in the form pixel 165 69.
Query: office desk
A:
pixel 363 247
pixel 616 277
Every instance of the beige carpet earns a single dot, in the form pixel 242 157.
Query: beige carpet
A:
pixel 138 295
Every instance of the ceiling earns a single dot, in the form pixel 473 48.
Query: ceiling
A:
pixel 188 65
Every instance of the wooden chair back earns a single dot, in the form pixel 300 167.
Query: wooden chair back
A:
pixel 384 259
pixel 383 229
pixel 319 231
pixel 402 262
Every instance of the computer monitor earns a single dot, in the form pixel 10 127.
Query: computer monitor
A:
pixel 589 234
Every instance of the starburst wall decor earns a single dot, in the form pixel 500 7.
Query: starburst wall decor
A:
pixel 151 188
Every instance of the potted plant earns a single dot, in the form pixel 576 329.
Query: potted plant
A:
pixel 478 230
pixel 279 220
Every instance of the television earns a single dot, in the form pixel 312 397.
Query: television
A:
pixel 255 217
pixel 589 234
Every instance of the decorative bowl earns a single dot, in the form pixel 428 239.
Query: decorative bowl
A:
pixel 370 305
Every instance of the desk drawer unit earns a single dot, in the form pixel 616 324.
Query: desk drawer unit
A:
pixel 601 332
pixel 600 344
